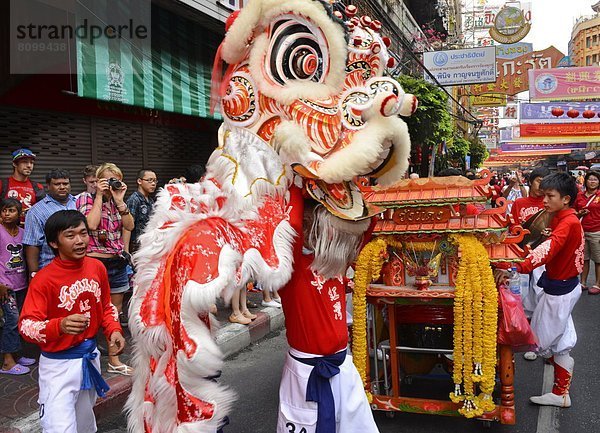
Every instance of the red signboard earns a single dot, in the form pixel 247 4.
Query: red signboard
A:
pixel 513 73
pixel 559 129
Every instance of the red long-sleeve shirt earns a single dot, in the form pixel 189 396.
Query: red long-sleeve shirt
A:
pixel 63 288
pixel 562 252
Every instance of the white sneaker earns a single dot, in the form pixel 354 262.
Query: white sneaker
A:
pixel 278 300
pixel 271 304
pixel 530 356
pixel 551 399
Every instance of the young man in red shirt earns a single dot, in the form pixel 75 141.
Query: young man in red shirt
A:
pixel 562 253
pixel 522 210
pixel 67 303
pixel 321 390
pixel 19 185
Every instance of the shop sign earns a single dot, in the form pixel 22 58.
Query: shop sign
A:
pixel 489 100
pixel 560 129
pixel 525 147
pixel 541 112
pixel 512 51
pixel 512 77
pixel 459 67
pixel 421 215
pixel 510 24
pixel 564 84
pixel 483 17
pixel 510 111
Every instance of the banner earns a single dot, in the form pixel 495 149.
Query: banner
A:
pixel 564 84
pixel 458 67
pixel 522 147
pixel 541 112
pixel 560 129
pixel 512 77
pixel 172 74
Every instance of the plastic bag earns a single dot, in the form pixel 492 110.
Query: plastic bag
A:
pixel 513 327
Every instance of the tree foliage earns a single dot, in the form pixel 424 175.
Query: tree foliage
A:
pixel 431 124
pixel 478 152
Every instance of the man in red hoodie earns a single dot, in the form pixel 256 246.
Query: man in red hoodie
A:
pixel 68 301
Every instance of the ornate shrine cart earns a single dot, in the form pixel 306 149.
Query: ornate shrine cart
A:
pixel 424 287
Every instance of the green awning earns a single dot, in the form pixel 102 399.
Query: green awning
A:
pixel 172 73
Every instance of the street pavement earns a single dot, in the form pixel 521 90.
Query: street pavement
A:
pixel 255 372
pixel 254 369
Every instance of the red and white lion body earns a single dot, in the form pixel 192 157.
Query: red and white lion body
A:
pixel 298 100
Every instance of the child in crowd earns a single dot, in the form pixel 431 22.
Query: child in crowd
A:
pixel 13 285
pixel 562 253
pixel 68 302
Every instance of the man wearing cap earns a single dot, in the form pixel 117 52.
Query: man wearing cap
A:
pixel 19 185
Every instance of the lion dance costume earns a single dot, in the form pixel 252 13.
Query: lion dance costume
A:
pixel 304 101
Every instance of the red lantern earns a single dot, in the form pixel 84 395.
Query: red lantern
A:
pixel 572 113
pixel 557 111
pixel 589 114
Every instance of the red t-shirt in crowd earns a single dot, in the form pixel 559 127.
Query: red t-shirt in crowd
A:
pixel 562 252
pixel 525 207
pixel 63 288
pixel 22 191
pixel 590 222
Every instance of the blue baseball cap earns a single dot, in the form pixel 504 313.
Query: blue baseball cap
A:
pixel 22 153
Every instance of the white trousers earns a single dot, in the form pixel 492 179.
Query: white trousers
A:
pixel 296 415
pixel 64 407
pixel 552 323
pixel 532 295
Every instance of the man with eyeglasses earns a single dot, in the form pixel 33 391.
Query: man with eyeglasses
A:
pixel 140 205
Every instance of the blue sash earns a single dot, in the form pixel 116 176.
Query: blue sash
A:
pixel 319 389
pixel 557 287
pixel 91 376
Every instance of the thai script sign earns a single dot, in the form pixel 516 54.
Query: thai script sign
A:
pixel 458 67
pixel 559 129
pixel 511 51
pixel 564 84
pixel 541 112
pixel 425 214
pixel 512 77
pixel 489 100
pixel 483 18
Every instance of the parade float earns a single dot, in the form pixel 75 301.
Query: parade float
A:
pixel 426 302
pixel 301 88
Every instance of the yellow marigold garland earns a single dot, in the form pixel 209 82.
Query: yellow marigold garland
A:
pixel 475 320
pixel 368 268
pixel 475 326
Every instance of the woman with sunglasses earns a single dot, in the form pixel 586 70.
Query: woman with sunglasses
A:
pixel 107 215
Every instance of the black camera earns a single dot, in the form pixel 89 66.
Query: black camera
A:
pixel 115 183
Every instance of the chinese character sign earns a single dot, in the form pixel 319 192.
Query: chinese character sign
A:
pixel 512 75
pixel 564 84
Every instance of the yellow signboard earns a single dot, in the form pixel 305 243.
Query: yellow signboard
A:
pixel 489 100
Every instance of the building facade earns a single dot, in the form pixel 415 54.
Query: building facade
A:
pixel 584 46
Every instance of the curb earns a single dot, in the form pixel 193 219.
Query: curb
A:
pixel 231 339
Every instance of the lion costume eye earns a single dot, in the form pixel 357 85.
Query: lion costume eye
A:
pixel 297 51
